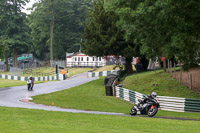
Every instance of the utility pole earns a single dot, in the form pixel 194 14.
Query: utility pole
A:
pixel 14 48
pixel 80 45
pixel 51 30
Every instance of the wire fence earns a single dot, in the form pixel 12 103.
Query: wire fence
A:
pixel 85 64
pixel 2 67
pixel 14 71
pixel 61 63
pixel 189 79
pixel 36 72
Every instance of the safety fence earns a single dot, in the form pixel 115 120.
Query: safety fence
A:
pixel 190 80
pixel 21 78
pixel 166 103
pixel 85 64
pixel 98 74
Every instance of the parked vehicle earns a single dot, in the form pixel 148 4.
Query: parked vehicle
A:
pixel 147 106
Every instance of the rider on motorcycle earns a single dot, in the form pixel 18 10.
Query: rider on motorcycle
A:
pixel 31 79
pixel 147 98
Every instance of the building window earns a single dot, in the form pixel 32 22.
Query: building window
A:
pixel 87 58
pixel 93 58
pixel 75 58
pixel 99 58
pixel 78 58
pixel 81 58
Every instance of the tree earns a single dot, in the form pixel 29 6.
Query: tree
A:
pixel 162 28
pixel 103 37
pixel 64 32
pixel 13 28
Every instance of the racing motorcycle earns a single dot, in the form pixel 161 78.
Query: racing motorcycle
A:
pixel 30 85
pixel 150 107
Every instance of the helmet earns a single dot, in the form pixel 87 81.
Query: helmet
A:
pixel 153 94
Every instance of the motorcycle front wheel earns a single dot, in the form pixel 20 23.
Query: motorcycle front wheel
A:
pixel 133 111
pixel 152 111
pixel 29 86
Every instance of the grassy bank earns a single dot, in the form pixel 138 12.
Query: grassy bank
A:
pixel 15 120
pixel 109 68
pixel 75 71
pixel 91 96
pixel 160 82
pixel 9 83
pixel 51 71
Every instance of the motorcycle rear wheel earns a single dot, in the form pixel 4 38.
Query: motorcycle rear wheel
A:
pixel 29 86
pixel 133 111
pixel 152 112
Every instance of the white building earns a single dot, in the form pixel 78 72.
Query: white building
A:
pixel 83 60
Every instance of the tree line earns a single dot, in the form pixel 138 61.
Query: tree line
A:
pixel 53 28
pixel 130 28
pixel 145 29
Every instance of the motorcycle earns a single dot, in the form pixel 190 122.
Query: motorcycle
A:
pixel 30 85
pixel 150 107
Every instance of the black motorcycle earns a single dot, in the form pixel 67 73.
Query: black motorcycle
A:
pixel 148 107
pixel 29 85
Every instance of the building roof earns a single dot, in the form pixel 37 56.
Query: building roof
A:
pixel 74 54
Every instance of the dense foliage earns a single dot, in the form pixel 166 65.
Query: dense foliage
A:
pixel 103 37
pixel 144 28
pixel 13 30
pixel 161 28
pixel 69 17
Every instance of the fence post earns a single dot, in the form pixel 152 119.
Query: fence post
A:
pixel 168 66
pixel 180 76
pixel 190 81
pixel 164 64
pixel 174 70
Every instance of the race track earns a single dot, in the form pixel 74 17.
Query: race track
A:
pixel 18 96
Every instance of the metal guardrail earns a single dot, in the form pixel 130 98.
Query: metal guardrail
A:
pixel 98 74
pixel 166 103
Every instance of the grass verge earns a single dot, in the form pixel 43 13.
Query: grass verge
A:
pixel 162 83
pixel 91 96
pixel 109 68
pixel 15 120
pixel 9 83
pixel 75 71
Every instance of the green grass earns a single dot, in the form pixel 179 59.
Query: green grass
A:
pixel 91 96
pixel 109 68
pixel 189 115
pixel 16 120
pixel 160 82
pixel 34 70
pixel 75 71
pixel 9 83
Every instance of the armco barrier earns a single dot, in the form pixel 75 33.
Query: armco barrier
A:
pixel 166 103
pixel 21 78
pixel 98 74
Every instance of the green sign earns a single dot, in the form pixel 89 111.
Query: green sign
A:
pixel 23 58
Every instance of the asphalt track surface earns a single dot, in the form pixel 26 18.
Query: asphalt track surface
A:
pixel 18 96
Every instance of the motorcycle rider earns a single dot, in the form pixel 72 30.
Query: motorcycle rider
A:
pixel 147 98
pixel 32 80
